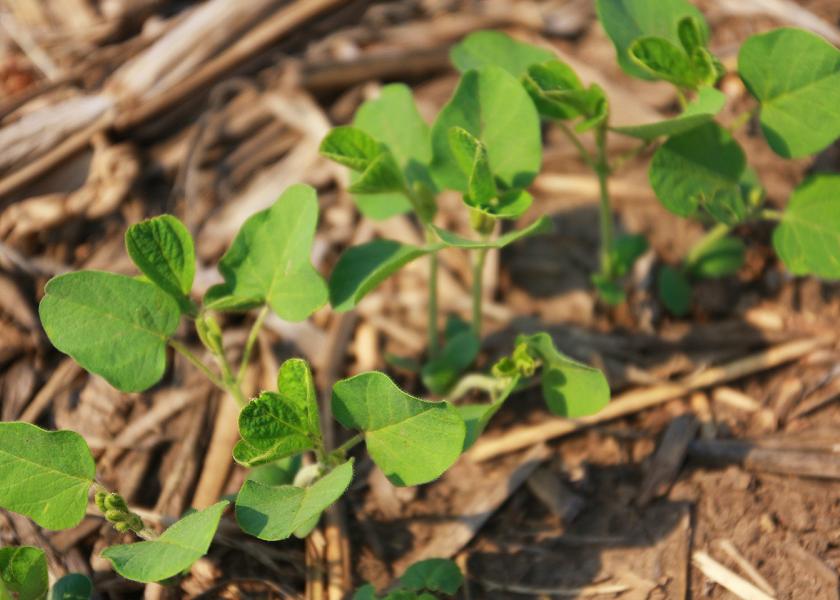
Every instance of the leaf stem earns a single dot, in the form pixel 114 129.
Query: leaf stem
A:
pixel 771 214
pixel 196 362
pixel 476 381
pixel 715 234
pixel 433 341
pixel 249 344
pixel 575 140
pixel 478 289
pixel 349 444
pixel 602 169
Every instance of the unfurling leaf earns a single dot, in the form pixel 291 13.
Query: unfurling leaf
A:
pixel 700 169
pixel 46 475
pixel 492 106
pixel 674 290
pixel 278 425
pixel 413 441
pixel 73 586
pixel 163 250
pixel 112 325
pixel 795 75
pixel 186 540
pixel 558 94
pixel 23 572
pixel 277 512
pixel 269 260
pixel 808 237
pixel 378 171
pixel 703 109
pixel 494 48
pixel 664 60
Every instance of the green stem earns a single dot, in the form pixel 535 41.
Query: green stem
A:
pixel 742 119
pixel 715 234
pixel 575 140
pixel 434 342
pixel 771 214
pixel 477 289
pixel 231 385
pixel 476 381
pixel 249 344
pixel 192 358
pixel 346 446
pixel 602 169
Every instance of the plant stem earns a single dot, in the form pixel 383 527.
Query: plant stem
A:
pixel 249 344
pixel 716 233
pixel 475 381
pixel 433 341
pixel 192 358
pixel 575 140
pixel 477 289
pixel 231 385
pixel 771 214
pixel 602 169
pixel 346 446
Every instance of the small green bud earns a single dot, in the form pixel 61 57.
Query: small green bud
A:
pixel 114 501
pixel 99 500
pixel 115 516
pixel 122 527
pixel 210 333
pixel 482 222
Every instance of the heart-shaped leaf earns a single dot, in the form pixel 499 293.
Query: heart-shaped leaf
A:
pixel 269 260
pixel 73 586
pixel 23 571
pixel 186 540
pixel 700 168
pixel 413 441
pixel 46 475
pixel 492 106
pixel 277 512
pixel 627 20
pixel 163 250
pixel 674 290
pixel 278 425
pixel 808 237
pixel 703 109
pixel 795 75
pixel 494 48
pixel 112 325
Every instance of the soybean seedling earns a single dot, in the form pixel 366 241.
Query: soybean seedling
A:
pixel 424 580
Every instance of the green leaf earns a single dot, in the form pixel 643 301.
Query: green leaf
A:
pixel 268 261
pixel 163 250
pixel 624 253
pixel 709 102
pixel 73 586
pixel 664 60
pixel 720 258
pixel 795 75
pixel 278 425
pixel 366 592
pixel 808 237
pixel 494 48
pixel 558 94
pixel 112 325
pixel 609 290
pixel 458 353
pixel 186 540
pixel 23 571
pixel 627 20
pixel 700 168
pixel 570 389
pixel 541 225
pixel 674 290
pixel 276 512
pixel 393 119
pixel 46 474
pixel 413 441
pixel 693 34
pixel 362 268
pixel 378 171
pixel 433 574
pixel 280 472
pixel 471 156
pixel 490 104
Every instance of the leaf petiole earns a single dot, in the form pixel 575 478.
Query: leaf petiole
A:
pixel 249 344
pixel 197 363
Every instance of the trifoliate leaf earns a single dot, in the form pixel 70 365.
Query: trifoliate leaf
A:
pixel 703 109
pixel 112 325
pixel 278 425
pixel 163 250
pixel 494 48
pixel 492 106
pixel 23 571
pixel 541 225
pixel 434 574
pixel 276 512
pixel 186 540
pixel 269 260
pixel 73 586
pixel 795 75
pixel 700 168
pixel 627 20
pixel 674 290
pixel 413 441
pixel 46 475
pixel 808 237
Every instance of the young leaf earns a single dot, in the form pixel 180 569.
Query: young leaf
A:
pixel 494 48
pixel 700 168
pixel 558 94
pixel 625 252
pixel 276 512
pixel 433 574
pixel 609 290
pixel 413 441
pixel 268 261
pixel 808 237
pixel 23 571
pixel 280 472
pixel 175 550
pixel 362 268
pixel 674 290
pixel 112 325
pixel 457 354
pixel 73 586
pixel 664 60
pixel 471 156
pixel 703 109
pixel 541 225
pixel 393 119
pixel 627 20
pixel 718 259
pixel 795 75
pixel 278 425
pixel 570 389
pixel 378 171
pixel 46 474
pixel 163 250
pixel 491 105
pixel 692 34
